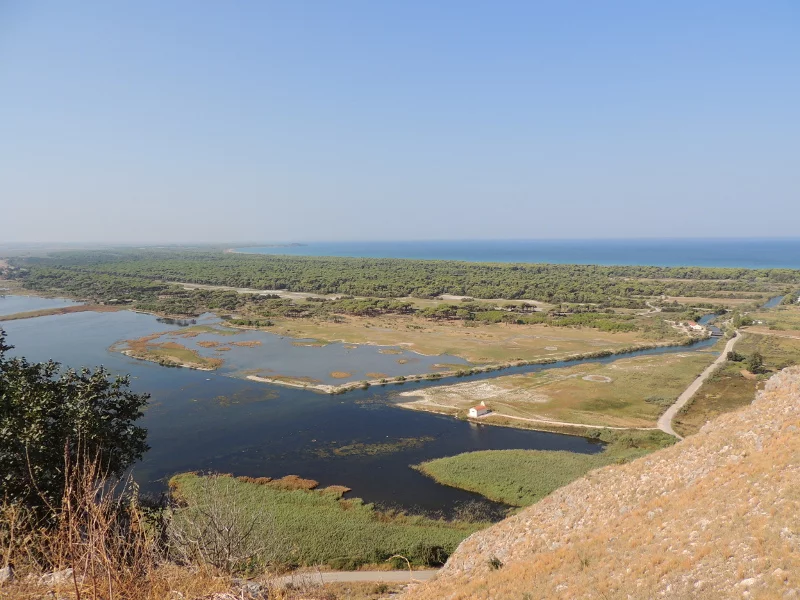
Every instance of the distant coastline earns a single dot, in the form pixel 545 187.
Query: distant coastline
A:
pixel 267 246
pixel 729 253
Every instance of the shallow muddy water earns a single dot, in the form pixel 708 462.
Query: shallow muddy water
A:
pixel 279 356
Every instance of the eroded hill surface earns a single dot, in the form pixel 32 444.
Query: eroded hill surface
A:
pixel 715 516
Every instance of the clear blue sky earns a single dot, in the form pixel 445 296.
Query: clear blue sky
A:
pixel 298 121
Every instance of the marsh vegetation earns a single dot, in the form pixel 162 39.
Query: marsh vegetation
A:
pixel 523 477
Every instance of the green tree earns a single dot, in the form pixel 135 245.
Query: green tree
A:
pixel 755 362
pixel 48 413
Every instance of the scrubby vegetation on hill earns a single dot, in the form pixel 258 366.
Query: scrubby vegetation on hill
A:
pixel 714 516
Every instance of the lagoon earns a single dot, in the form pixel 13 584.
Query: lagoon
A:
pixel 218 421
pixel 213 421
pixel 10 305
pixel 264 354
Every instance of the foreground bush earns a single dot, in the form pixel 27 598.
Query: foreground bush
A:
pixel 46 411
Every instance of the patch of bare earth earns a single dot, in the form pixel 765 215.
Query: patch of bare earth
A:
pixel 474 391
pixel 715 516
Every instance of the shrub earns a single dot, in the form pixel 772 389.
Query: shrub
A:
pixel 217 529
pixel 45 412
pixel 495 563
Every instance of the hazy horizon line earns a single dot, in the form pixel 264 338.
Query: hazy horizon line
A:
pixel 265 243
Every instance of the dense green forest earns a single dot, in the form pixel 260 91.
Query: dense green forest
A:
pixel 145 274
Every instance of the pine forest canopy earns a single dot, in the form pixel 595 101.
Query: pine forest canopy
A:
pixel 144 274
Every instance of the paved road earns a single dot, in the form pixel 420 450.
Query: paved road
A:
pixel 665 421
pixel 315 578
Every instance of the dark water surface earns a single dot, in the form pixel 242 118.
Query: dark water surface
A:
pixel 203 420
pixel 747 253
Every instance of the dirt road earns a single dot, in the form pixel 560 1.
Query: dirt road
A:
pixel 665 421
pixel 281 293
pixel 318 578
pixel 560 423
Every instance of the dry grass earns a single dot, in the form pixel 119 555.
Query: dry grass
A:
pixel 732 387
pixel 167 353
pixel 166 582
pixel 247 344
pixel 337 591
pixel 781 319
pixel 629 392
pixel 99 538
pixel 715 516
pixel 293 482
pixel 340 374
pixel 208 344
pixel 484 343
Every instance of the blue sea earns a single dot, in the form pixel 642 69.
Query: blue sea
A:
pixel 747 253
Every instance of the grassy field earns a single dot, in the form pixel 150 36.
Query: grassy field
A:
pixel 314 527
pixel 732 387
pixel 523 477
pixel 478 343
pixel 629 392
pixel 784 318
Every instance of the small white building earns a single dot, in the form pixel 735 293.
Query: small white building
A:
pixel 694 326
pixel 479 411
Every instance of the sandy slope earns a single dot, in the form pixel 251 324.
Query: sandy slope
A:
pixel 715 516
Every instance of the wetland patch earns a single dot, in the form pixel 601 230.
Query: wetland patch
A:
pixel 375 448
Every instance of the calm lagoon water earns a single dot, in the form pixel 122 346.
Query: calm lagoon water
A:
pixel 219 422
pixel 747 253
pixel 15 304
pixel 209 421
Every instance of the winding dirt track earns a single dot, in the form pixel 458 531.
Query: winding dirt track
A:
pixel 665 420
pixel 560 423
pixel 318 578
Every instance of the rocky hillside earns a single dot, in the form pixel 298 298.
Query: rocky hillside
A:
pixel 715 516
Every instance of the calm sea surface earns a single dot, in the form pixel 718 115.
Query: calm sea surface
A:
pixel 749 253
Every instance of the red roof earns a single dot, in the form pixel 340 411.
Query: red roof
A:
pixel 480 407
